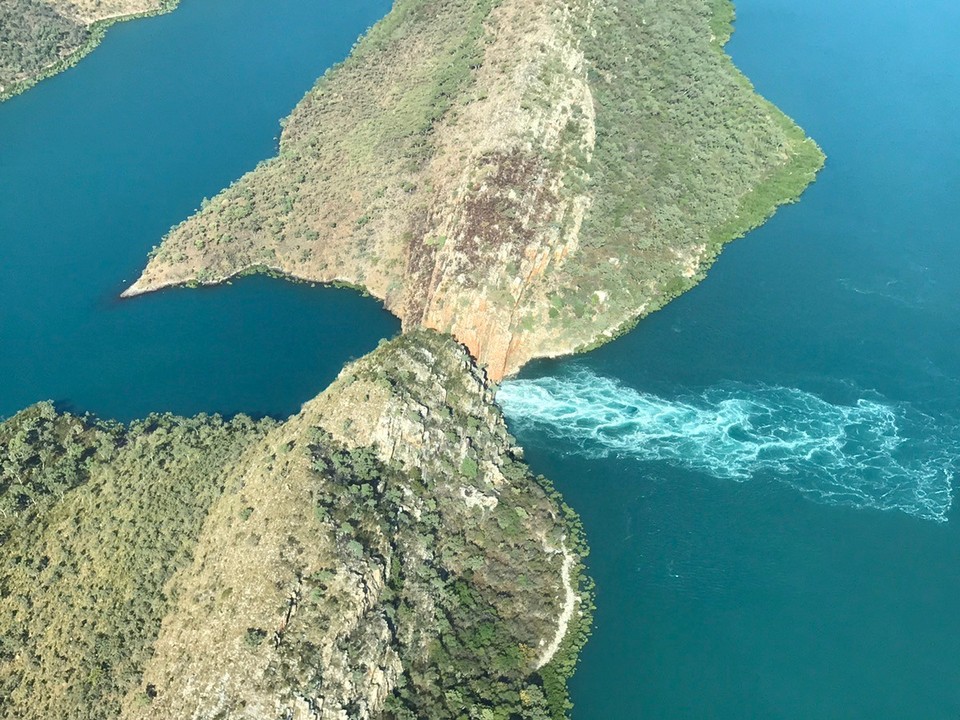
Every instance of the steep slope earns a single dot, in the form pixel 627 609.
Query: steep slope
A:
pixel 382 554
pixel 39 38
pixel 530 176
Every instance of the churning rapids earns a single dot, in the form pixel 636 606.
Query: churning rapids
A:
pixel 872 454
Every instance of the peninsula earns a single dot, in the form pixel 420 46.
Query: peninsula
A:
pixel 529 176
pixel 39 38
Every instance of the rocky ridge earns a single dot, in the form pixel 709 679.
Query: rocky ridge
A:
pixel 530 177
pixel 382 554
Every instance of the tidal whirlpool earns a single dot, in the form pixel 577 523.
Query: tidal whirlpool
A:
pixel 869 454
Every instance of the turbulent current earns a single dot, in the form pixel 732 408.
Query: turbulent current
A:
pixel 871 454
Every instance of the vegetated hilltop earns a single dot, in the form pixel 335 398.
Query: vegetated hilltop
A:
pixel 39 38
pixel 382 554
pixel 531 176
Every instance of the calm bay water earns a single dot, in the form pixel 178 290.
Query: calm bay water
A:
pixel 97 163
pixel 764 468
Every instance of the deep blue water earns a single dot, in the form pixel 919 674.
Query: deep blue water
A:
pixel 766 467
pixel 98 162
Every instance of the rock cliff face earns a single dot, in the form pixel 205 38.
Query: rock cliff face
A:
pixel 530 176
pixel 382 554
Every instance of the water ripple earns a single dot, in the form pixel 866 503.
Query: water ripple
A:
pixel 871 454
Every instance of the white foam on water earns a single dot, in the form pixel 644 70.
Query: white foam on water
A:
pixel 872 454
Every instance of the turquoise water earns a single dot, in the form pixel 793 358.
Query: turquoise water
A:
pixel 765 468
pixel 98 162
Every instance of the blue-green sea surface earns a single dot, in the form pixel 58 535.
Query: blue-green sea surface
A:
pixel 98 162
pixel 766 468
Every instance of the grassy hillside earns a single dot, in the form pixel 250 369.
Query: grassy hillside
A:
pixel 529 176
pixel 382 554
pixel 688 157
pixel 94 520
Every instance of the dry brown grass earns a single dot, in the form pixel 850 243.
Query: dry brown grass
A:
pixel 88 12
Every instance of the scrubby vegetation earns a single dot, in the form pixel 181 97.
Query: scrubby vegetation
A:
pixel 351 151
pixel 39 38
pixel 464 591
pixel 688 157
pixel 33 37
pixel 94 520
pixel 474 545
pixel 532 176
pixel 392 557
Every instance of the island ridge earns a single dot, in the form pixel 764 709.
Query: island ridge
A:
pixel 382 554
